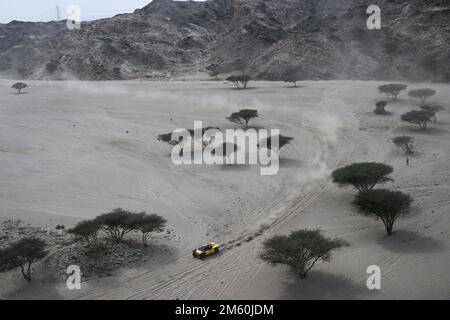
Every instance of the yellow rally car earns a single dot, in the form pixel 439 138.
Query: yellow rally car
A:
pixel 208 249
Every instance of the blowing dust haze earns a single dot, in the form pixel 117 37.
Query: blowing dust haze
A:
pixel 220 157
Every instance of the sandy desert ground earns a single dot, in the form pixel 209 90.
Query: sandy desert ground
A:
pixel 65 155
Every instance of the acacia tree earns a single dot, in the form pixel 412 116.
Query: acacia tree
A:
pixel 404 142
pixel 432 110
pixel 22 254
pixel 419 117
pixel 380 107
pixel 385 204
pixel 150 223
pixel 392 89
pixel 363 176
pixel 240 80
pixel 19 86
pixel 243 117
pixel 118 223
pixel 205 139
pixel 115 225
pixel 300 250
pixel 422 94
pixel 88 231
pixel 167 138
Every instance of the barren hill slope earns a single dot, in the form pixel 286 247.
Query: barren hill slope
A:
pixel 320 39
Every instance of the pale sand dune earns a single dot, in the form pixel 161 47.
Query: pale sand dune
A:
pixel 54 172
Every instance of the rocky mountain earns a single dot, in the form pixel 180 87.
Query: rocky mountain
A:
pixel 316 39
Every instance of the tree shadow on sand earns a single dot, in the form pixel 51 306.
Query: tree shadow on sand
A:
pixel 234 167
pixel 36 290
pixel 320 285
pixel 409 242
pixel 291 163
pixel 431 130
pixel 240 89
pixel 297 87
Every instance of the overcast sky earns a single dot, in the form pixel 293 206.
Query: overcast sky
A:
pixel 45 10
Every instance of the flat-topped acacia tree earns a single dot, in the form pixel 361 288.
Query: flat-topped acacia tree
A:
pixel 419 117
pixel 167 138
pixel 404 142
pixel 282 142
pixel 422 94
pixel 205 141
pixel 433 109
pixel 385 204
pixel 240 81
pixel 115 225
pixel 392 89
pixel 363 176
pixel 300 250
pixel 88 231
pixel 118 223
pixel 19 86
pixel 243 117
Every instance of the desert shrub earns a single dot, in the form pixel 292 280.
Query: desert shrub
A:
pixel 22 254
pixel 404 142
pixel 392 89
pixel 300 250
pixel 419 117
pixel 385 204
pixel 363 176
pixel 422 94
pixel 150 223
pixel 381 108
pixel 432 110
pixel 240 80
pixel 243 117
pixel 19 86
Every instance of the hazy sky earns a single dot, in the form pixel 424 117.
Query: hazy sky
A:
pixel 45 10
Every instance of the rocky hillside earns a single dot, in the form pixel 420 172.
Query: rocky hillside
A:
pixel 316 39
